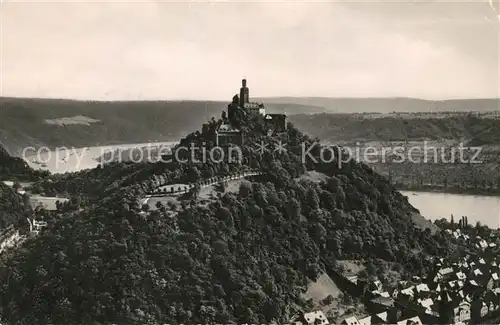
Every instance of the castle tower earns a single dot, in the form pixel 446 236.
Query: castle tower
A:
pixel 231 108
pixel 244 93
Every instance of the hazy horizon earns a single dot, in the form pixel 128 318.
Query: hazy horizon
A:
pixel 229 98
pixel 110 51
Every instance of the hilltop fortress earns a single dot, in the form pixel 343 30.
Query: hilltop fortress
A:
pixel 243 103
pixel 227 133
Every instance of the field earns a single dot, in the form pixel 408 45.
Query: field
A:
pixel 49 203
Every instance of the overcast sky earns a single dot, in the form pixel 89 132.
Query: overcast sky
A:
pixel 161 50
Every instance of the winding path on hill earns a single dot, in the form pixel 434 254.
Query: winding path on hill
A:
pixel 176 189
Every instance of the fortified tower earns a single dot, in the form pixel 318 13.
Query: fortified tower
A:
pixel 233 107
pixel 244 93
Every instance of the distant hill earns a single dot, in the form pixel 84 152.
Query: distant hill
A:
pixel 386 105
pixel 346 127
pixel 54 123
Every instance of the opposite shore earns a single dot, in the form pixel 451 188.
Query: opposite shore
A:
pixel 449 190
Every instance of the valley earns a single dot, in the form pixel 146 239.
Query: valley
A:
pixel 332 201
pixel 362 237
pixel 249 162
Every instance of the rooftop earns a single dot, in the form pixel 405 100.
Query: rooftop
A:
pixel 414 320
pixel 227 128
pixel 365 320
pixel 351 321
pixel 382 316
pixel 316 315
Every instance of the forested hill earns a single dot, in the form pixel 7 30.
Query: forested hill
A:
pixel 13 208
pixel 243 256
pixel 55 123
pixel 490 135
pixel 347 127
pixel 388 105
pixel 12 168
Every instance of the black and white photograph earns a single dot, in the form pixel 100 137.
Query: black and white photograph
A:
pixel 249 162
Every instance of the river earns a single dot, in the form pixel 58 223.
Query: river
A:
pixel 432 205
pixel 77 159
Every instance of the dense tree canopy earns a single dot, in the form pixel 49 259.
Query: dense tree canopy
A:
pixel 243 258
pixel 13 208
pixel 13 168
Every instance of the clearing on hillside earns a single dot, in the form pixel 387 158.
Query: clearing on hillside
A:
pixel 321 288
pixel 313 176
pixel 211 191
pixel 75 120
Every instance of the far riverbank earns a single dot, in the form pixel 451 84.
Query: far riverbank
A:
pixel 478 208
pixel 450 190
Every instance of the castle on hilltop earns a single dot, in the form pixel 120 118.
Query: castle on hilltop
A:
pixel 241 105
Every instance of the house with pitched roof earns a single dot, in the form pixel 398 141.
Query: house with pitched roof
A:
pixel 350 321
pixel 493 281
pixel 462 312
pixel 313 318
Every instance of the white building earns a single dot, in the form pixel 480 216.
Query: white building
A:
pixel 312 317
pixel 36 226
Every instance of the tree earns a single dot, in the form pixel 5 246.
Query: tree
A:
pixel 370 268
pixel 26 201
pixel 145 208
pixel 245 189
pixel 76 201
pixel 195 191
pixel 313 199
pixel 244 257
pixel 347 299
pixel 221 187
pixel 363 274
pixel 328 300
pixel 16 186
